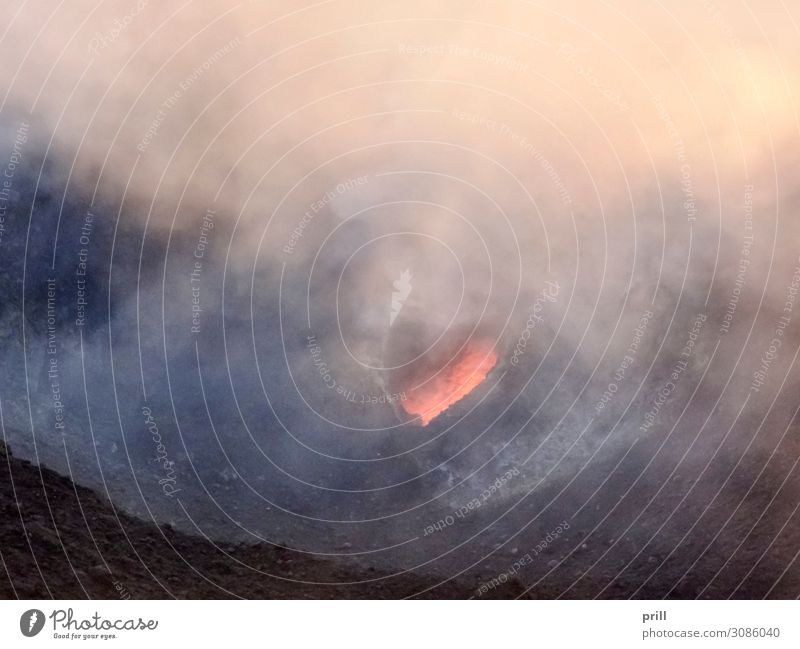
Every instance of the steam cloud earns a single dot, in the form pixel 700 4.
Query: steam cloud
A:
pixel 205 212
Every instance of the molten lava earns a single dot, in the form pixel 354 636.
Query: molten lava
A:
pixel 455 381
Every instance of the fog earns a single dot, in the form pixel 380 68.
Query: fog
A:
pixel 274 230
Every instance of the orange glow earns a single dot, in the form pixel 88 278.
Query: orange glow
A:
pixel 453 383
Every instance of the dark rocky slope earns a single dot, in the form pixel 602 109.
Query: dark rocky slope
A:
pixel 61 540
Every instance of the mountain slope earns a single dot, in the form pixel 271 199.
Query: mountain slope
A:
pixel 60 540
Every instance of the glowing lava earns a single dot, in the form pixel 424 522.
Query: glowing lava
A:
pixel 455 381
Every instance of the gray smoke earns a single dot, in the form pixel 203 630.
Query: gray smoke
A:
pixel 206 211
